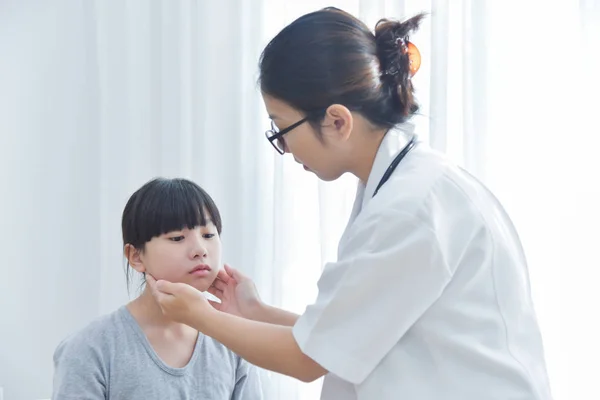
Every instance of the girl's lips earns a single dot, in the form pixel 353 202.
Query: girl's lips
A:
pixel 200 270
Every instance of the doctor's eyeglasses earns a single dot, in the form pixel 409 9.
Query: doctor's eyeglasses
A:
pixel 275 136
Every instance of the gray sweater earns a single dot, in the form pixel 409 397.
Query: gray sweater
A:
pixel 112 359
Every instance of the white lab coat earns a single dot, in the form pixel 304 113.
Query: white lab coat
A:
pixel 430 297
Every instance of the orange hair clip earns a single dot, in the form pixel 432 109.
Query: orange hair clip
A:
pixel 414 57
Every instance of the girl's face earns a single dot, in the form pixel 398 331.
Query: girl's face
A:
pixel 191 256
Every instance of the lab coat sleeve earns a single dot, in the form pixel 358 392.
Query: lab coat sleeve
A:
pixel 392 273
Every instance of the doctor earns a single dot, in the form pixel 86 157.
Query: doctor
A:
pixel 429 298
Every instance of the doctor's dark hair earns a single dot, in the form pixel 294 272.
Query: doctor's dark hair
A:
pixel 330 57
pixel 165 205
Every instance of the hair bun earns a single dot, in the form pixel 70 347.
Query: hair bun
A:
pixel 393 46
pixel 395 53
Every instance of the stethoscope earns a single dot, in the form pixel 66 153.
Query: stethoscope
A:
pixel 395 162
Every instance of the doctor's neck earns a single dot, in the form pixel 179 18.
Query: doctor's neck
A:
pixel 366 144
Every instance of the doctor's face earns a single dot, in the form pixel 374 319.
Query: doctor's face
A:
pixel 305 144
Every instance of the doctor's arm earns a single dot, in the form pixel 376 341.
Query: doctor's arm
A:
pixel 274 315
pixel 265 345
pixel 268 346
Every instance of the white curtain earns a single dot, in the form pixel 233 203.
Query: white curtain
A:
pixel 96 97
pixel 512 95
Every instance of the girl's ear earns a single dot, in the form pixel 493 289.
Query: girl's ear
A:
pixel 133 255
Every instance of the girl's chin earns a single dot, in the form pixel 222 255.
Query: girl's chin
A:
pixel 201 284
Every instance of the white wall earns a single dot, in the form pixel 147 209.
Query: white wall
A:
pixel 48 181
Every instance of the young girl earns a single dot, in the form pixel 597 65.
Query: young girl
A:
pixel 429 298
pixel 171 230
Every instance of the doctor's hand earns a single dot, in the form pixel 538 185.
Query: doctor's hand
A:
pixel 237 293
pixel 180 302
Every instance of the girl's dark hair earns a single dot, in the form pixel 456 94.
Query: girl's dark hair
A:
pixel 165 205
pixel 330 57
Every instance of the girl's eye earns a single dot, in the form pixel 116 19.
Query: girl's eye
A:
pixel 176 239
pixel 208 235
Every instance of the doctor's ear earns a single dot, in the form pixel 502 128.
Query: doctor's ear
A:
pixel 337 122
pixel 133 255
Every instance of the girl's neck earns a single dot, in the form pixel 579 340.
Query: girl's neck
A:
pixel 147 313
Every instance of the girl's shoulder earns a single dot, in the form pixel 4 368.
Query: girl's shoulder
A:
pixel 96 337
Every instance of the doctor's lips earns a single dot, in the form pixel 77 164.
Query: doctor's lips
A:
pixel 200 270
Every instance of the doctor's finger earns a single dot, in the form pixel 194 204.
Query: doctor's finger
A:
pixel 152 285
pixel 167 287
pixel 235 274
pixel 215 292
pixel 223 276
pixel 219 285
pixel 150 281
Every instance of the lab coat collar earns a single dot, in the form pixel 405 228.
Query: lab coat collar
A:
pixel 393 142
